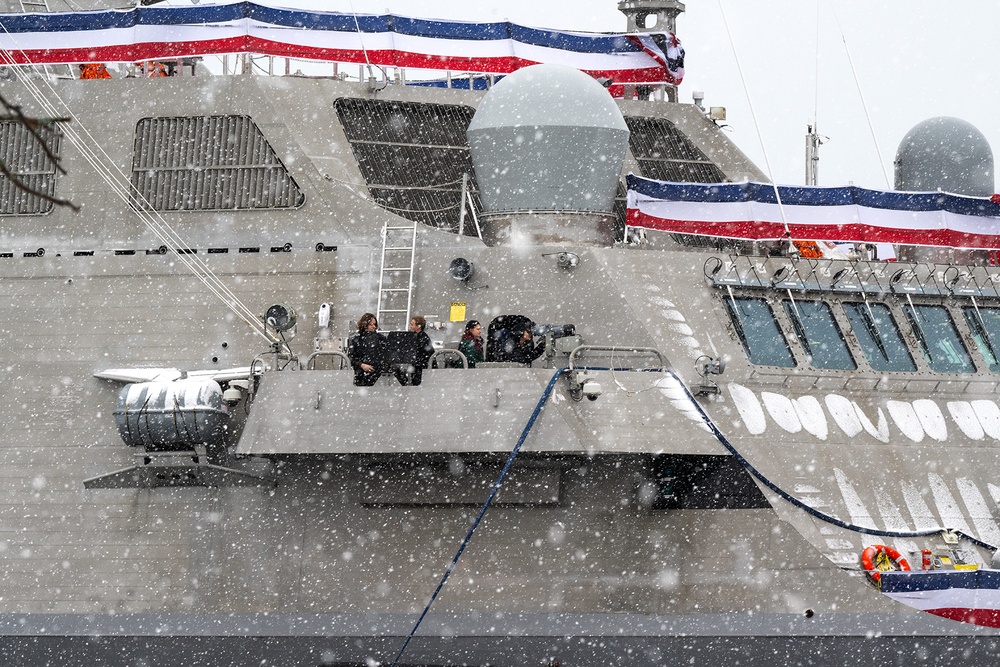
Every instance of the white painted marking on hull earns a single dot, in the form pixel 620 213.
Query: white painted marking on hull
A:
pixel 923 518
pixel 978 510
pixel 989 417
pixel 811 415
pixel 782 411
pixel 844 414
pixel 964 416
pixel 855 508
pixel 931 419
pixel 905 418
pixel 947 506
pixel 749 408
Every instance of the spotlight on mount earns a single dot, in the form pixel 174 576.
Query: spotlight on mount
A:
pixel 461 269
pixel 706 365
pixel 565 260
pixel 280 317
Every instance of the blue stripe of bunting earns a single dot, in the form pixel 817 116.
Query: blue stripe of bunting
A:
pixel 813 196
pixel 910 582
pixel 149 16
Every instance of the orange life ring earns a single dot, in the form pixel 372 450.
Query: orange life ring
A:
pixel 879 558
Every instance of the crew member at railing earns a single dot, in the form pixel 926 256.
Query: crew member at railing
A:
pixel 367 352
pixel 472 343
pixel 94 71
pixel 416 350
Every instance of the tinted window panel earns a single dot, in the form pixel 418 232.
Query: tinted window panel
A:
pixel 985 326
pixel 763 341
pixel 879 337
pixel 819 335
pixel 939 339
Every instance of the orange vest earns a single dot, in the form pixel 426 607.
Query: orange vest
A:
pixel 94 71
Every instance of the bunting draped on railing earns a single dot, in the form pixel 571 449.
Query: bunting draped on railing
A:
pixel 154 33
pixel 750 211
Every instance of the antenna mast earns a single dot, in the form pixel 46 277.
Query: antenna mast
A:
pixel 813 142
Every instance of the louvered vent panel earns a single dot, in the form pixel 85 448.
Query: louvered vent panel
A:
pixel 25 157
pixel 208 163
pixel 412 157
pixel 664 153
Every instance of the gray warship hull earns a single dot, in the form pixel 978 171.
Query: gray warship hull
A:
pixel 627 532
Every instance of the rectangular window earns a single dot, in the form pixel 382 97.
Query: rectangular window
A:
pixel 985 326
pixel 762 339
pixel 938 338
pixel 879 337
pixel 819 335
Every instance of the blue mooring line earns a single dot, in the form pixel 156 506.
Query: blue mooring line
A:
pixel 482 510
pixel 725 443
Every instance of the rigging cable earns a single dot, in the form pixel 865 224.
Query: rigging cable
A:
pixel 486 505
pixel 106 167
pixel 864 105
pixel 792 250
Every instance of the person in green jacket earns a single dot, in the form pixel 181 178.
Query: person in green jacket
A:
pixel 472 343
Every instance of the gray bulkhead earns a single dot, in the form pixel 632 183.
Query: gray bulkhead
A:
pixel 577 543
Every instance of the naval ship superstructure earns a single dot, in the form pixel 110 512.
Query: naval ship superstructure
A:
pixel 187 484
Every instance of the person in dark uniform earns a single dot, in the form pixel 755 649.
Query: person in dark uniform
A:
pixel 418 350
pixel 367 352
pixel 523 349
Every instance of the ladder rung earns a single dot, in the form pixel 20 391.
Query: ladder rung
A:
pixel 392 311
pixel 413 228
pixel 401 268
pixel 405 247
pixel 395 289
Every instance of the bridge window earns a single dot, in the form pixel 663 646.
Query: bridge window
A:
pixel 938 338
pixel 819 335
pixel 762 339
pixel 985 326
pixel 879 337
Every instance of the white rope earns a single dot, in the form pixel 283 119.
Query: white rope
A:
pixel 864 105
pixel 106 168
pixel 753 114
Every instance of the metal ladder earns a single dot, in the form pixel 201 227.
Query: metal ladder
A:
pixel 395 282
pixel 49 71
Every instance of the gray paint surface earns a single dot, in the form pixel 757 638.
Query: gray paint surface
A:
pixel 315 549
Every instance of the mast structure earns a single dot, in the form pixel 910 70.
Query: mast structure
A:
pixel 813 141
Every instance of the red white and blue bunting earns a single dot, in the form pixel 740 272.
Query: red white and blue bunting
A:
pixel 750 211
pixel 163 33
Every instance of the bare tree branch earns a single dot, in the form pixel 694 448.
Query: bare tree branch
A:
pixel 21 185
pixel 35 126
pixel 32 125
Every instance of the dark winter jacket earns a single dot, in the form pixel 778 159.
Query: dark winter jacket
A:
pixel 524 351
pixel 367 348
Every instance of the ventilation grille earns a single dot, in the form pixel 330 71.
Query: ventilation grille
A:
pixel 25 157
pixel 412 157
pixel 208 163
pixel 664 153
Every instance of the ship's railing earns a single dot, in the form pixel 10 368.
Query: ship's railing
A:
pixel 852 277
pixel 614 351
pixel 444 354
pixel 310 363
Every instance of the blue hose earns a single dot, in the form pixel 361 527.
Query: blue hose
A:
pixel 486 506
